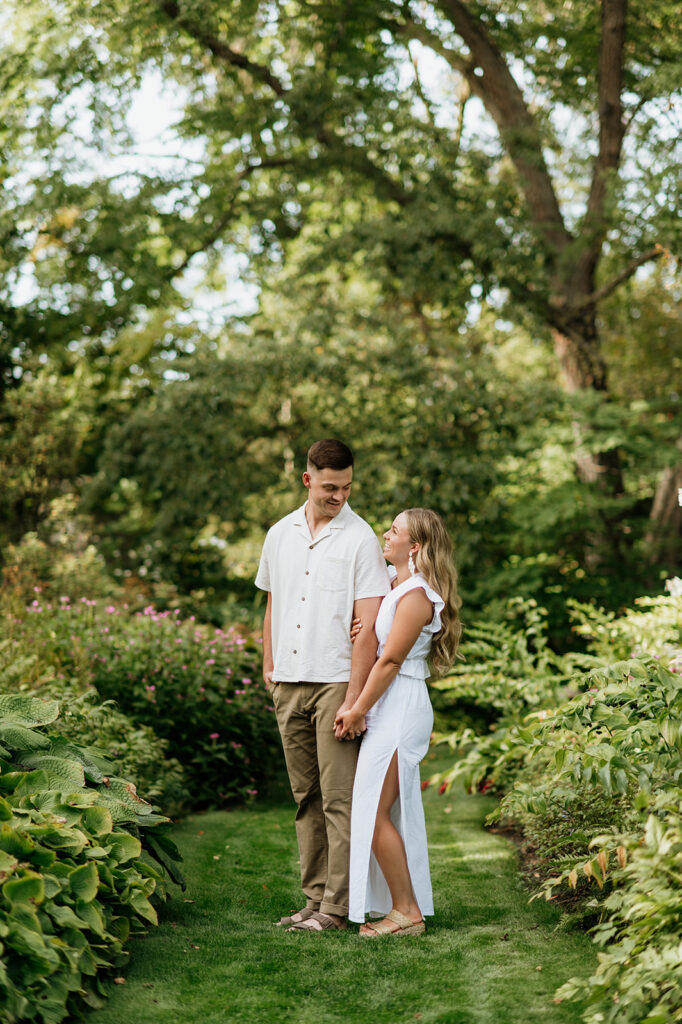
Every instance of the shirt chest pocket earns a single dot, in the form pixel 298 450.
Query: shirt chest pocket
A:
pixel 332 575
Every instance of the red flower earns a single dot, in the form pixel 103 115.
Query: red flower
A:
pixel 426 783
pixel 442 788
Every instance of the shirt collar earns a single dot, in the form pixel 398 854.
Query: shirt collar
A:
pixel 337 523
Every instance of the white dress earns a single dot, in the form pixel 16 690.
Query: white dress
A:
pixel 402 720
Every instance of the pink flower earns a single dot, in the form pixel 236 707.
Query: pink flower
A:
pixel 214 736
pixel 210 661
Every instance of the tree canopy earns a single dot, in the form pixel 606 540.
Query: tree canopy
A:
pixel 443 208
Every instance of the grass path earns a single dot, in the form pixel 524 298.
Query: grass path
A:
pixel 219 959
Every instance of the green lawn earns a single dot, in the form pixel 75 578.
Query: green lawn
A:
pixel 487 958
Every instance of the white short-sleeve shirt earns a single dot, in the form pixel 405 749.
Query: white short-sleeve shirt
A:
pixel 314 583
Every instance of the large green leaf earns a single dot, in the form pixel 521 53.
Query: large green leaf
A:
pixel 15 843
pixel 19 738
pixel 22 709
pixel 23 782
pixel 84 882
pixel 27 889
pixel 123 846
pixel 8 863
pixel 60 772
pixel 143 906
pixel 98 820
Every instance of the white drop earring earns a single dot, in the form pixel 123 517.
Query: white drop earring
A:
pixel 410 564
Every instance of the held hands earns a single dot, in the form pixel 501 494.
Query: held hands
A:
pixel 348 724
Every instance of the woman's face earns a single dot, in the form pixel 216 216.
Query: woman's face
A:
pixel 397 543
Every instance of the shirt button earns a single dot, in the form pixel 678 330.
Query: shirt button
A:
pixel 294 652
pixel 310 546
pixel 307 573
pixel 298 626
pixel 303 599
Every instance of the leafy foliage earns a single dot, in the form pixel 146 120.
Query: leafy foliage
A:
pixel 196 687
pixel 74 883
pixel 590 770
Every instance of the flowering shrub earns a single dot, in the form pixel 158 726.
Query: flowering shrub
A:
pixel 199 688
pixel 31 661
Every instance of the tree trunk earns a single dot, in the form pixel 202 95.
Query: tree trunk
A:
pixel 664 537
pixel 576 343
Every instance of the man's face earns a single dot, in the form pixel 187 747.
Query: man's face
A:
pixel 328 489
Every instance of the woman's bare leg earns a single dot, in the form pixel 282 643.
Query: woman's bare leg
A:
pixel 389 849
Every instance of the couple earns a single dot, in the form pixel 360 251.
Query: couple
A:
pixel 323 567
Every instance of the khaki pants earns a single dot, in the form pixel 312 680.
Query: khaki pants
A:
pixel 321 772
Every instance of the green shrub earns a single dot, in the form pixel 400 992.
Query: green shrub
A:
pixel 59 558
pixel 508 671
pixel 654 627
pixel 591 769
pixel 29 663
pixel 639 973
pixel 199 688
pixel 73 879
pixel 138 753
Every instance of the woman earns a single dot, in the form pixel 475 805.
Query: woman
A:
pixel 419 619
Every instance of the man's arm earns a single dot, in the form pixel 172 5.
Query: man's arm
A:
pixel 364 648
pixel 268 663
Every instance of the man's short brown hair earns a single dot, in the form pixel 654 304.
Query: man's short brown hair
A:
pixel 330 454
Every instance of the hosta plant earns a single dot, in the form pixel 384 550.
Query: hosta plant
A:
pixel 81 855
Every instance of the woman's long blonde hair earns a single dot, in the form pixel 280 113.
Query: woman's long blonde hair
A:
pixel 434 562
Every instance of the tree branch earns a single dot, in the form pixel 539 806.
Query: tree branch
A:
pixel 611 133
pixel 351 156
pixel 625 273
pixel 221 50
pixel 217 230
pixel 503 99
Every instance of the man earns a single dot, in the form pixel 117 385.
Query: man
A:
pixel 322 566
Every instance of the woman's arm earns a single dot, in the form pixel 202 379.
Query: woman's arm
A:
pixel 412 613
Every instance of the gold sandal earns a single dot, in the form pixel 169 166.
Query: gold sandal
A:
pixel 405 926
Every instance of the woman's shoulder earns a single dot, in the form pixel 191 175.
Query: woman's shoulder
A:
pixel 414 591
pixel 419 584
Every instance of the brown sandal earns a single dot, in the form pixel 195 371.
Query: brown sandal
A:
pixel 318 922
pixel 405 926
pixel 300 915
